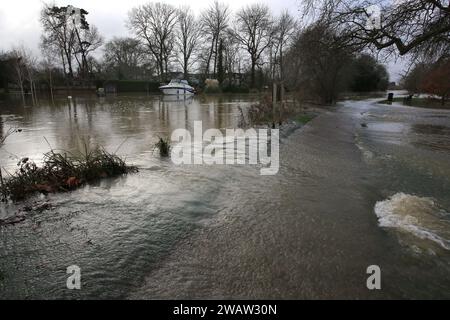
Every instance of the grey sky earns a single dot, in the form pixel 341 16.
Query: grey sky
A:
pixel 19 19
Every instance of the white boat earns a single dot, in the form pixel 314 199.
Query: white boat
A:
pixel 178 87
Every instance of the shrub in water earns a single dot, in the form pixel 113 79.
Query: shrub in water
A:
pixel 164 147
pixel 62 172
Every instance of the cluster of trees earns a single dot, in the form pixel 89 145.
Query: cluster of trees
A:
pixel 320 65
pixel 215 43
pixel 165 39
pixel 68 36
pixel 331 49
pixel 326 55
pixel 21 67
pixel 428 78
pixel 67 44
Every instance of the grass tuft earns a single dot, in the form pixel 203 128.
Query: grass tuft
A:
pixel 62 172
pixel 164 147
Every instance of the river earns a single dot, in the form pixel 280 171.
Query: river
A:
pixel 362 184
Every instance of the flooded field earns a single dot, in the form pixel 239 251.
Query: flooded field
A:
pixel 347 196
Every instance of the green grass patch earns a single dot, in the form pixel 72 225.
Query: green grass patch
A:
pixel 304 118
pixel 62 172
pixel 420 102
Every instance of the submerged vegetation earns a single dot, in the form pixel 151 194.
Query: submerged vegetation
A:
pixel 265 113
pixel 62 172
pixel 261 112
pixel 164 147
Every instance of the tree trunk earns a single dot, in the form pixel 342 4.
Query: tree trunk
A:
pixel 281 63
pixel 252 79
pixel 51 84
pixel 69 64
pixel 208 62
pixel 20 81
pixel 185 69
pixel 216 45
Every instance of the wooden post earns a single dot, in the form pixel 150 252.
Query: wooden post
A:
pixel 274 102
pixel 51 85
pixel 281 103
pixel 4 196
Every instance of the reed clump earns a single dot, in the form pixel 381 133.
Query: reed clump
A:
pixel 62 172
pixel 164 147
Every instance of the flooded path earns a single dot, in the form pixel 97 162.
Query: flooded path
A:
pixel 347 196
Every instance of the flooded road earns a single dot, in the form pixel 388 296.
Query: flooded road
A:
pixel 347 196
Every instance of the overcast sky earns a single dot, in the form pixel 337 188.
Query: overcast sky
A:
pixel 19 19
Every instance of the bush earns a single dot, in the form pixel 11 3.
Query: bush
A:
pixel 236 89
pixel 212 90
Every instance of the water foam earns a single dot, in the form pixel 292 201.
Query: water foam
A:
pixel 419 216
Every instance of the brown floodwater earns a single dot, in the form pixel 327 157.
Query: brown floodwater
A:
pixel 347 196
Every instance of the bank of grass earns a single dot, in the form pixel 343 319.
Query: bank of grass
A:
pixel 355 96
pixel 432 103
pixel 304 118
pixel 62 172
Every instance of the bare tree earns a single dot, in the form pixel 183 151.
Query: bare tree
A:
pixel 284 30
pixel 17 62
pixel 124 56
pixel 89 40
pixel 23 63
pixel 58 35
pixel 30 61
pixel 253 29
pixel 154 24
pixel 68 35
pixel 46 66
pixel 188 34
pixel 316 64
pixel 214 21
pixel 232 56
pixel 417 27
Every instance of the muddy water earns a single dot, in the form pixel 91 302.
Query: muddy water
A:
pixel 347 196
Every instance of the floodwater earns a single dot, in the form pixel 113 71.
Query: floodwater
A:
pixel 347 196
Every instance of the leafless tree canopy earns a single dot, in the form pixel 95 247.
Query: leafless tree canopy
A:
pixel 154 24
pixel 284 28
pixel 68 40
pixel 254 31
pixel 214 23
pixel 188 35
pixel 124 56
pixel 417 27
pixel 317 63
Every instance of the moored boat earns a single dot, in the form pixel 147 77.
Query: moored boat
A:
pixel 177 87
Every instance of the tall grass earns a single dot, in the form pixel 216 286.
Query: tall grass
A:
pixel 164 147
pixel 62 172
